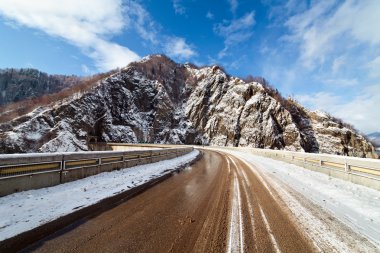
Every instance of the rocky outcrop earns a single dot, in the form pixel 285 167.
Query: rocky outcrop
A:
pixel 231 112
pixel 333 135
pixel 157 100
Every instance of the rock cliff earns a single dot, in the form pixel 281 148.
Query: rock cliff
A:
pixel 157 100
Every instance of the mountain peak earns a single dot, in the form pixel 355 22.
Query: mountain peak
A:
pixel 158 100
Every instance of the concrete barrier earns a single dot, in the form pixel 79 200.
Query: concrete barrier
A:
pixel 22 172
pixel 363 171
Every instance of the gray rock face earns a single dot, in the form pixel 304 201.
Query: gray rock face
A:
pixel 157 100
pixel 231 112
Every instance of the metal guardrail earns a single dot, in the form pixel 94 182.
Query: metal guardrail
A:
pixel 364 171
pixel 22 172
pixel 22 169
pixel 364 167
pixel 9 166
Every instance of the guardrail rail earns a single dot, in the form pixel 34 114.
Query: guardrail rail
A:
pixel 22 172
pixel 364 171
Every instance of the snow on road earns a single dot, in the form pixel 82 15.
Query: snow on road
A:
pixel 26 210
pixel 355 205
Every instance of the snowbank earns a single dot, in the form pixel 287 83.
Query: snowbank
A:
pixel 24 211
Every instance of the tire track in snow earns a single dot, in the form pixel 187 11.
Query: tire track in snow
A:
pixel 236 228
pixel 273 229
pixel 272 238
pixel 246 183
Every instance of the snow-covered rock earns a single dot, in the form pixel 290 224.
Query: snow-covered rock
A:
pixel 157 100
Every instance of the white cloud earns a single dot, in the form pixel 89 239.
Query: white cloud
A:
pixel 86 24
pixel 178 7
pixel 361 111
pixel 341 82
pixel 138 18
pixel 233 6
pixel 85 69
pixel 331 53
pixel 280 11
pixel 337 64
pixel 111 55
pixel 374 67
pixel 319 101
pixel 235 31
pixel 328 26
pixel 209 15
pixel 177 47
pixel 223 52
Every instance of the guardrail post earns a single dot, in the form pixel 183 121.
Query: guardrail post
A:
pixel 347 168
pixel 99 165
pixel 61 169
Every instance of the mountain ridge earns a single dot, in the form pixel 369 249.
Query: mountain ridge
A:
pixel 27 83
pixel 158 100
pixel 374 138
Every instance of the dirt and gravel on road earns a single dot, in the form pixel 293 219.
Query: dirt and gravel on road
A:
pixel 217 204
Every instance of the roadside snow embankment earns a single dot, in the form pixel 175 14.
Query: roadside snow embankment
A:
pixel 24 211
pixel 355 205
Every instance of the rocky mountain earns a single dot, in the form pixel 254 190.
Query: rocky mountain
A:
pixel 374 138
pixel 157 100
pixel 20 84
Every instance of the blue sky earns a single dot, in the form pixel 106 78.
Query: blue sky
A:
pixel 326 54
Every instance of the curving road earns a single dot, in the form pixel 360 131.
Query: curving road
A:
pixel 216 205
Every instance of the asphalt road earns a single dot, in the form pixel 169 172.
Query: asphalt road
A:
pixel 216 205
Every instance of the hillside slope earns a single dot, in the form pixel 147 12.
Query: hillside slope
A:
pixel 20 84
pixel 158 100
pixel 374 138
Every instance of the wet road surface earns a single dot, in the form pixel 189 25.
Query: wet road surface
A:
pixel 216 205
